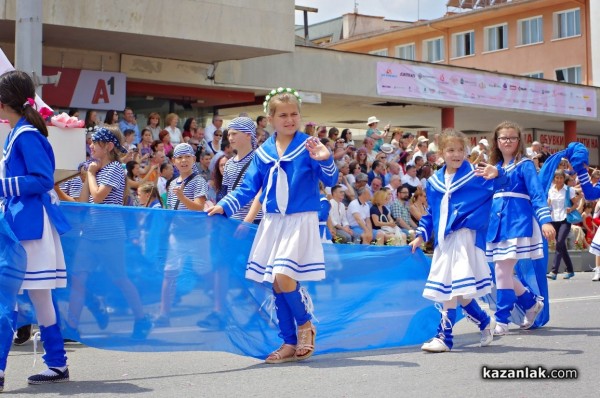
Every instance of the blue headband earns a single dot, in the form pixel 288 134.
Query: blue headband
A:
pixel 104 135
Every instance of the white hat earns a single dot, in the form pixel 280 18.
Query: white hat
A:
pixel 422 139
pixel 387 148
pixel 484 142
pixel 372 119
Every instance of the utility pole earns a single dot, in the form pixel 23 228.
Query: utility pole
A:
pixel 28 42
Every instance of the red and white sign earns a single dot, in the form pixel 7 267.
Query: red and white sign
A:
pixel 556 142
pixel 86 89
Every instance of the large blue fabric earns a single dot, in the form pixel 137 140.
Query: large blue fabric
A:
pixel 12 270
pixel 370 299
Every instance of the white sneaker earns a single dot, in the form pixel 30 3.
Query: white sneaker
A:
pixel 532 313
pixel 501 329
pixel 487 334
pixel 435 345
pixel 596 277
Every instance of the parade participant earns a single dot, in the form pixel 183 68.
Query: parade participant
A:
pixel 32 213
pixel 287 248
pixel 459 206
pixel 104 185
pixel 514 233
pixel 186 192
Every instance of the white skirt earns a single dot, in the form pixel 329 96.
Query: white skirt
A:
pixel 458 269
pixel 45 260
pixel 595 246
pixel 517 248
pixel 288 245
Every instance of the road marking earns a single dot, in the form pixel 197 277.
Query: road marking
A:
pixel 569 299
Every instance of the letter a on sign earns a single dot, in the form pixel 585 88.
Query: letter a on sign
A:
pixel 101 92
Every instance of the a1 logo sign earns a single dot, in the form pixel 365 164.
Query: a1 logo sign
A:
pixel 99 90
pixel 102 91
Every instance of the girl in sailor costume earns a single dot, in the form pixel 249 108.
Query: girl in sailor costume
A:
pixel 514 233
pixel 287 248
pixel 579 157
pixel 457 217
pixel 31 210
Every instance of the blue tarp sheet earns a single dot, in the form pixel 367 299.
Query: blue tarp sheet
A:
pixel 116 259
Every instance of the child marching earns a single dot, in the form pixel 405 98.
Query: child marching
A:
pixel 287 248
pixel 457 219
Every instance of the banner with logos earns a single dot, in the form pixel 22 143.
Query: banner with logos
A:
pixel 482 89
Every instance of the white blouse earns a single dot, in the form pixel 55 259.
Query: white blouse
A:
pixel 557 202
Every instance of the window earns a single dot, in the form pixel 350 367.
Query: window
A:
pixel 569 75
pixel 537 75
pixel 382 52
pixel 433 50
pixel 496 37
pixel 567 24
pixel 530 31
pixel 407 51
pixel 463 44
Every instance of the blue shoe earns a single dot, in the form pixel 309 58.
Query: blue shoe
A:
pixel 142 328
pixel 551 275
pixel 568 275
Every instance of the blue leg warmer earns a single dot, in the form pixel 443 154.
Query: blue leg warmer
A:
pixel 300 305
pixel 8 324
pixel 505 302
pixel 445 327
pixel 287 326
pixel 526 300
pixel 478 316
pixel 54 346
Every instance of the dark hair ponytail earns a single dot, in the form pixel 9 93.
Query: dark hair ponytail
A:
pixel 16 88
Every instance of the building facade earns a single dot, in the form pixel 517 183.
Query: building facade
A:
pixel 548 39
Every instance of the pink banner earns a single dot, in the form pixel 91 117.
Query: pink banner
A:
pixel 431 83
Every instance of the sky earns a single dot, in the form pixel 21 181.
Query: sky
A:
pixel 403 10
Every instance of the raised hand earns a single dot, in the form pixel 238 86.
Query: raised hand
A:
pixel 316 149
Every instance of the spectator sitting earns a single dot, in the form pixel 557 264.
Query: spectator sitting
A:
pixel 534 150
pixel 165 138
pixel 395 183
pixel 377 170
pixel 148 196
pixel 400 210
pixel 418 207
pixel 204 165
pixel 166 174
pixel 376 185
pixel 360 216
pixel 339 218
pixel 410 180
pixel 383 223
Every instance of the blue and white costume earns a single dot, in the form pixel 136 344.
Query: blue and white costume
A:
pixel 323 217
pixel 458 219
pixel 31 205
pixel 518 210
pixel 590 192
pixel 287 240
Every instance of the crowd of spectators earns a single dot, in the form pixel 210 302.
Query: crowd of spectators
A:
pixel 381 193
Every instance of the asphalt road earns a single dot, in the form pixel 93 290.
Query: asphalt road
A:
pixel 569 341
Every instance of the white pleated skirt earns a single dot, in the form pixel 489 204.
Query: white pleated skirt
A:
pixel 517 248
pixel 289 245
pixel 45 260
pixel 459 268
pixel 595 246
